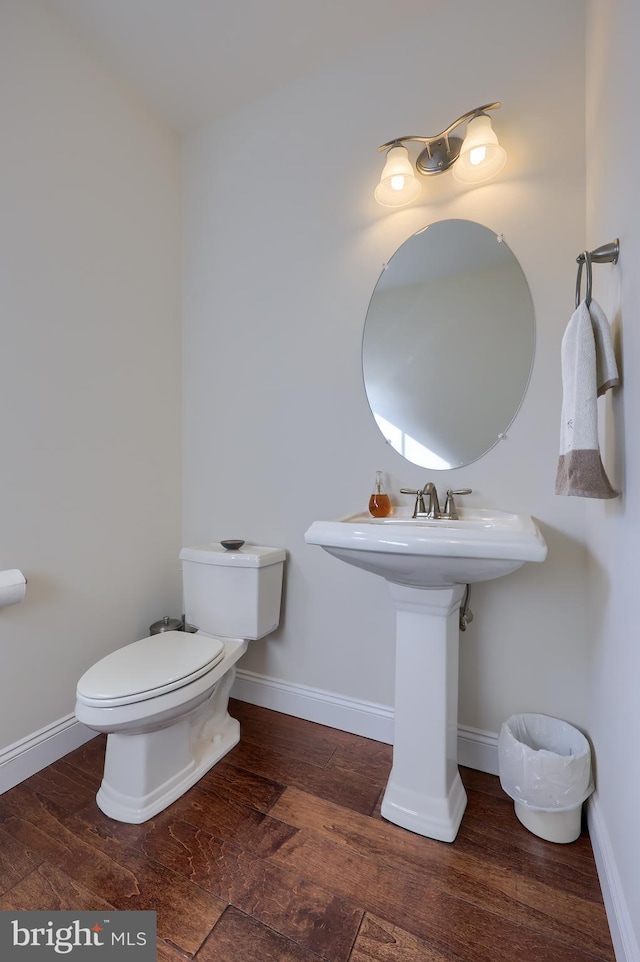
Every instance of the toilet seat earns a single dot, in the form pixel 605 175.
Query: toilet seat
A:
pixel 149 667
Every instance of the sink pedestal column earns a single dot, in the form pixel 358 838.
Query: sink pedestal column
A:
pixel 425 793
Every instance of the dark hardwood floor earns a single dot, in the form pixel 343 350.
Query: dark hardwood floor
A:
pixel 279 854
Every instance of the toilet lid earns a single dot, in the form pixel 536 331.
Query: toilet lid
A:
pixel 150 667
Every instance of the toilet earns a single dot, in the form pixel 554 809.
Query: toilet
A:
pixel 162 701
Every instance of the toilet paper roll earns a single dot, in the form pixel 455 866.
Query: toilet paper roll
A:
pixel 13 586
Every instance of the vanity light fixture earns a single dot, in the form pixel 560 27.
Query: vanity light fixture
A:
pixel 473 160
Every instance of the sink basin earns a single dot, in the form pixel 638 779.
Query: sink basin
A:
pixel 480 545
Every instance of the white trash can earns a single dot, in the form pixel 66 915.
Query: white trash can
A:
pixel 545 767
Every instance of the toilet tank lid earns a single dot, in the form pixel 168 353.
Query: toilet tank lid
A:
pixel 248 556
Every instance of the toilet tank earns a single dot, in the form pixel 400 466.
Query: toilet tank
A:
pixel 235 594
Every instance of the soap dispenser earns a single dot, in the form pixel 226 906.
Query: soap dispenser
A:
pixel 379 503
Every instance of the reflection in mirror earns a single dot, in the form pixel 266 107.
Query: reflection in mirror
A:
pixel 448 344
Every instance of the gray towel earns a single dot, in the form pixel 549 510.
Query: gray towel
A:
pixel 588 370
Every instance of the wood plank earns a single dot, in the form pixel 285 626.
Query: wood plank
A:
pixel 16 861
pixel 69 787
pixel 169 953
pixel 420 907
pixel 528 855
pixel 89 758
pixel 240 785
pixel 276 897
pixel 237 937
pixel 48 887
pixel 301 739
pixel 567 866
pixel 227 819
pixel 117 873
pixel 497 818
pixel 481 782
pixel 365 757
pixel 379 941
pixel 535 859
pixel 349 789
pixel 503 891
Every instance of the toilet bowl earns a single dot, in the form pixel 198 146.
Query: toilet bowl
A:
pixel 163 700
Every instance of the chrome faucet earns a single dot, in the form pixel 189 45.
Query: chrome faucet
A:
pixel 432 507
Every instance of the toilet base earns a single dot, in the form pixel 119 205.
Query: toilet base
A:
pixel 145 772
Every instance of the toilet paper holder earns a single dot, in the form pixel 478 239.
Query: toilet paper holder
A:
pixel 13 585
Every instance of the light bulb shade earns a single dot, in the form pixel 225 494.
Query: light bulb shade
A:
pixel 398 183
pixel 481 156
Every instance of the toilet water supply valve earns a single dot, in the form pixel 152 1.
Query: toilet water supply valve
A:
pixel 466 614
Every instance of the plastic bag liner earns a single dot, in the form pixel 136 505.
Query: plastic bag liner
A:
pixel 544 763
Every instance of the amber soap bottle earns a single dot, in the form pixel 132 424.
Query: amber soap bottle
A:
pixel 379 503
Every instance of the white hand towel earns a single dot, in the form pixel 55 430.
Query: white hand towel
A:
pixel 588 369
pixel 606 367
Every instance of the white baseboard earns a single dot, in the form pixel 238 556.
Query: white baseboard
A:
pixel 326 708
pixel 476 749
pixel 33 753
pixel 625 942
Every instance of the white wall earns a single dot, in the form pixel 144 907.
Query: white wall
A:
pixel 284 244
pixel 613 80
pixel 90 387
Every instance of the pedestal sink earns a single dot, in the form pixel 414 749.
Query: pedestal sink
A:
pixel 428 563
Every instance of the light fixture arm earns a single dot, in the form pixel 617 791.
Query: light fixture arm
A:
pixel 475 155
pixel 445 133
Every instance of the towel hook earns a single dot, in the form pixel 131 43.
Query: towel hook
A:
pixel 585 259
pixel 606 254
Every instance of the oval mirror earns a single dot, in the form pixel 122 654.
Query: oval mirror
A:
pixel 448 344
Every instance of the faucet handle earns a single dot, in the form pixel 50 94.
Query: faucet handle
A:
pixel 419 496
pixel 450 510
